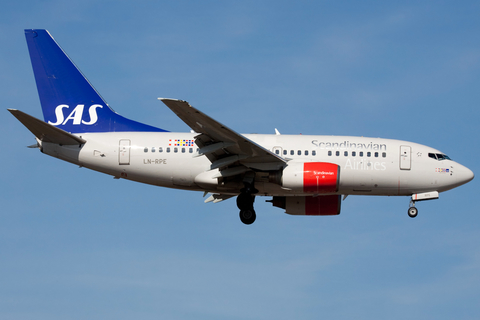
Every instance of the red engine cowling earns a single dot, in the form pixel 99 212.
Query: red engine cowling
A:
pixel 310 206
pixel 311 177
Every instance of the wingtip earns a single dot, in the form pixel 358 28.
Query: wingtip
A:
pixel 169 102
pixel 14 112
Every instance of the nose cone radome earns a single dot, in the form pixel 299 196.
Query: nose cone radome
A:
pixel 463 174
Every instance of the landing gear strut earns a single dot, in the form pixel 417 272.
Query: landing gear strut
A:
pixel 245 203
pixel 412 211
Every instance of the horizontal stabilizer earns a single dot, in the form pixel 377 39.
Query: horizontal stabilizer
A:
pixel 44 131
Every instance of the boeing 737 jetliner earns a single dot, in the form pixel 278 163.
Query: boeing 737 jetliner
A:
pixel 304 175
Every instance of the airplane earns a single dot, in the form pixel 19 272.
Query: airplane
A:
pixel 303 174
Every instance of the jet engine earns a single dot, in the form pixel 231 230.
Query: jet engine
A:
pixel 309 177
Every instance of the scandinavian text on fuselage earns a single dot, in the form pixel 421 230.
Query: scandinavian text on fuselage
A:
pixel 349 145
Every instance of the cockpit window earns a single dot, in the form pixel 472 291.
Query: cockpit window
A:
pixel 442 157
pixel 439 156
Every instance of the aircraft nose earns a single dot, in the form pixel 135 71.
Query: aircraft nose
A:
pixel 463 174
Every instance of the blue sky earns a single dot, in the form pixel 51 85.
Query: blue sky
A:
pixel 77 244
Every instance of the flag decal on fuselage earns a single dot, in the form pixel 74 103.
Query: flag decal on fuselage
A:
pixel 180 143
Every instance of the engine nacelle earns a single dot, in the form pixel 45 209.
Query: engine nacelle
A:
pixel 311 177
pixel 310 206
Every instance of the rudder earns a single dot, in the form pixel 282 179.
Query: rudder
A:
pixel 67 98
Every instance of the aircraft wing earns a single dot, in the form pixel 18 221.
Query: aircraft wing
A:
pixel 220 144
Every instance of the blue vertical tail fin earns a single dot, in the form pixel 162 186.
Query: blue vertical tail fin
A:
pixel 68 100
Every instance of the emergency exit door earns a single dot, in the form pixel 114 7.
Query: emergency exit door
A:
pixel 277 151
pixel 124 152
pixel 405 157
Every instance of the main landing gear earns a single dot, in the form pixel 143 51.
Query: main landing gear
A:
pixel 245 203
pixel 412 211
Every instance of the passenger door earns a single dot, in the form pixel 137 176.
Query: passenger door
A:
pixel 405 157
pixel 124 152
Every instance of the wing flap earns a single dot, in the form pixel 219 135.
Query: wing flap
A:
pixel 217 197
pixel 44 131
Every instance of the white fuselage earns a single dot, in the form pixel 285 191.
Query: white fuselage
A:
pixel 368 166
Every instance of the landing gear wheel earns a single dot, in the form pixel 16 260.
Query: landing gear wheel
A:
pixel 245 201
pixel 412 212
pixel 248 216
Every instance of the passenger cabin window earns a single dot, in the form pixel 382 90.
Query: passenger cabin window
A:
pixel 360 153
pixel 277 151
pixel 329 153
pixel 337 153
pixel 314 153
pixel 354 153
pixel 183 150
pixel 292 152
pixel 160 149
pixel 285 152
pixel 299 152
pixel 145 150
pixel 345 153
pixel 190 150
pixel 153 149
pixel 384 154
pixel 369 154
pixel 168 149
pixel 376 154
pixel 306 152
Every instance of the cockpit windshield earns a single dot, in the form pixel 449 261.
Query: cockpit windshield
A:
pixel 439 156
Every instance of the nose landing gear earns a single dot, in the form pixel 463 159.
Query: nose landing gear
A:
pixel 412 211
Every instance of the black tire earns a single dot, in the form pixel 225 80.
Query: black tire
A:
pixel 245 201
pixel 412 212
pixel 248 216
